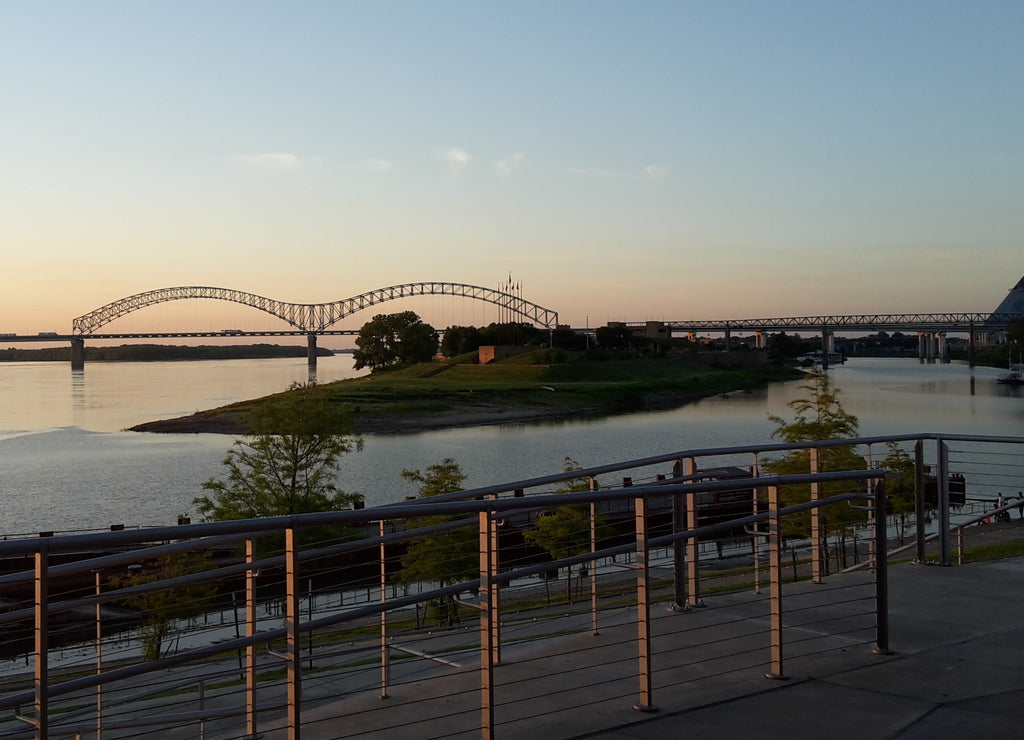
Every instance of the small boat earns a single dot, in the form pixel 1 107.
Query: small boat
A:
pixel 1015 376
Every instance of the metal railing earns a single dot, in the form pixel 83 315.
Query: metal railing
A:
pixel 286 634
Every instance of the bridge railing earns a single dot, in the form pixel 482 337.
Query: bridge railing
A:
pixel 286 624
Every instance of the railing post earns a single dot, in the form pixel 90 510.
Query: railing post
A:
pixel 202 706
pixel 250 631
pixel 593 563
pixel 42 642
pixel 755 538
pixel 942 484
pixel 99 657
pixel 871 513
pixel 692 545
pixel 292 616
pixel 643 608
pixel 385 654
pixel 494 593
pixel 486 632
pixel 678 546
pixel 919 502
pixel 881 564
pixel 816 541
pixel 775 582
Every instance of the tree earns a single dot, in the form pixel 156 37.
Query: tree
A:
pixel 614 336
pixel 163 608
pixel 565 338
pixel 289 463
pixel 819 416
pixel 443 558
pixel 394 339
pixel 458 340
pixel 899 486
pixel 1015 334
pixel 782 346
pixel 565 531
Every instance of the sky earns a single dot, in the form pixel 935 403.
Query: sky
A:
pixel 622 161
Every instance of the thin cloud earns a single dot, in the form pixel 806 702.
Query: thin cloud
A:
pixel 380 165
pixel 656 172
pixel 510 164
pixel 277 161
pixel 457 159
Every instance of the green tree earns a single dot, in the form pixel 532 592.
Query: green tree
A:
pixel 289 462
pixel 565 531
pixel 458 340
pixel 782 346
pixel 447 557
pixel 617 336
pixel 565 338
pixel 819 416
pixel 162 609
pixel 1015 335
pixel 394 339
pixel 899 486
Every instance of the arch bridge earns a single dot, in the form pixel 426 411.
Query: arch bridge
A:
pixel 305 318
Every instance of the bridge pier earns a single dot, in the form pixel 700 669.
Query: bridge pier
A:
pixel 930 346
pixel 77 354
pixel 311 350
pixel 826 346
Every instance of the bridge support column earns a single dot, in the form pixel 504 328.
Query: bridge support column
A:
pixel 922 344
pixel 728 338
pixel 77 354
pixel 826 346
pixel 758 340
pixel 970 347
pixel 311 350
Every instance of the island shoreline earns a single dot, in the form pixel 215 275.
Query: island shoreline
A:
pixel 232 423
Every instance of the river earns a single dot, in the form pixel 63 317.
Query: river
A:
pixel 65 464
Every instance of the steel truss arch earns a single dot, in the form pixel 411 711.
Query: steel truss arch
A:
pixel 311 318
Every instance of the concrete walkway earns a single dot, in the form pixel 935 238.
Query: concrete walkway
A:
pixel 957 670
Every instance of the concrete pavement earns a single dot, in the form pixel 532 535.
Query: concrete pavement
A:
pixel 957 670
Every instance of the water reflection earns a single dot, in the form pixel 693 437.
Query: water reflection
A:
pixel 77 396
pixel 58 475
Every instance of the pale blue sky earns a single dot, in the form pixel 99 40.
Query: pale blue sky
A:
pixel 624 161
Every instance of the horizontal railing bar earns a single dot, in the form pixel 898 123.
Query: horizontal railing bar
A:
pixel 244 528
pixel 162 719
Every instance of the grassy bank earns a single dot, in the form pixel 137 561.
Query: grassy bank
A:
pixel 458 393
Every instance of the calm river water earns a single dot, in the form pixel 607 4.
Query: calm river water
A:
pixel 65 465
